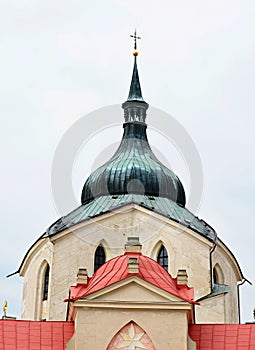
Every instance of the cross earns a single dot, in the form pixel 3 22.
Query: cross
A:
pixel 135 37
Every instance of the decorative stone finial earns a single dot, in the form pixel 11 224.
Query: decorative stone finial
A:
pixel 133 265
pixel 82 276
pixel 133 245
pixel 182 277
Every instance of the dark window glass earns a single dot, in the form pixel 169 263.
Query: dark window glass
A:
pixel 215 276
pixel 46 283
pixel 163 257
pixel 99 258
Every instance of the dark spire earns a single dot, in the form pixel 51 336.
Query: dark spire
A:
pixel 135 107
pixel 135 92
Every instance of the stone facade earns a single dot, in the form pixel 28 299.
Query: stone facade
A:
pixel 162 317
pixel 70 250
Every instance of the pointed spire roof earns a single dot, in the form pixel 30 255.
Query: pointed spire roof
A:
pixel 135 91
pixel 135 107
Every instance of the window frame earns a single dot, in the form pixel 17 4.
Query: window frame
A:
pixel 46 282
pixel 99 257
pixel 162 257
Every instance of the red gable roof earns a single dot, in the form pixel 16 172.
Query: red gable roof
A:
pixel 34 335
pixel 116 270
pixel 223 336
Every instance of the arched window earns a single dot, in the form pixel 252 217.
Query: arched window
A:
pixel 46 283
pixel 99 258
pixel 215 276
pixel 218 277
pixel 162 257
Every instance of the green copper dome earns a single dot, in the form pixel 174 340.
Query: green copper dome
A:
pixel 134 169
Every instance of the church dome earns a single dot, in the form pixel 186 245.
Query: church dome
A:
pixel 134 169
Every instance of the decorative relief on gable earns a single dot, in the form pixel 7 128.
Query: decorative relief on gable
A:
pixel 131 337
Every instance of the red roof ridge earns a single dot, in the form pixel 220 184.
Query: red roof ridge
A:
pixel 116 269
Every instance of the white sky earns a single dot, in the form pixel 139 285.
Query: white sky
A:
pixel 62 59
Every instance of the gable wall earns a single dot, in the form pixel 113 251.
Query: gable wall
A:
pixel 167 330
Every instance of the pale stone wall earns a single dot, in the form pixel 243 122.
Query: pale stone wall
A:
pixel 231 275
pixel 32 270
pixel 162 316
pixel 222 308
pixel 167 330
pixel 75 249
pixel 212 310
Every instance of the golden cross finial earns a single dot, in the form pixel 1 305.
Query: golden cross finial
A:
pixel 135 37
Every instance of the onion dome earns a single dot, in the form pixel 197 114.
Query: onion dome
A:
pixel 134 169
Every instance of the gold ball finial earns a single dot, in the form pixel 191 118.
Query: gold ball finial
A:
pixel 135 53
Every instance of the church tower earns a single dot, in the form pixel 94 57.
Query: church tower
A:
pixel 133 196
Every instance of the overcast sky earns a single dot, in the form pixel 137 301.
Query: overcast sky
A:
pixel 61 60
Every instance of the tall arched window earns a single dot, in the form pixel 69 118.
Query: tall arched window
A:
pixel 215 276
pixel 99 257
pixel 162 257
pixel 46 283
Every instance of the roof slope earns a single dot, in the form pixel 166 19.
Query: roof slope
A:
pixel 162 206
pixel 116 270
pixel 223 336
pixel 31 335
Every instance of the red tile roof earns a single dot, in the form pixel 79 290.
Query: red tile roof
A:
pixel 223 336
pixel 116 270
pixel 34 335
